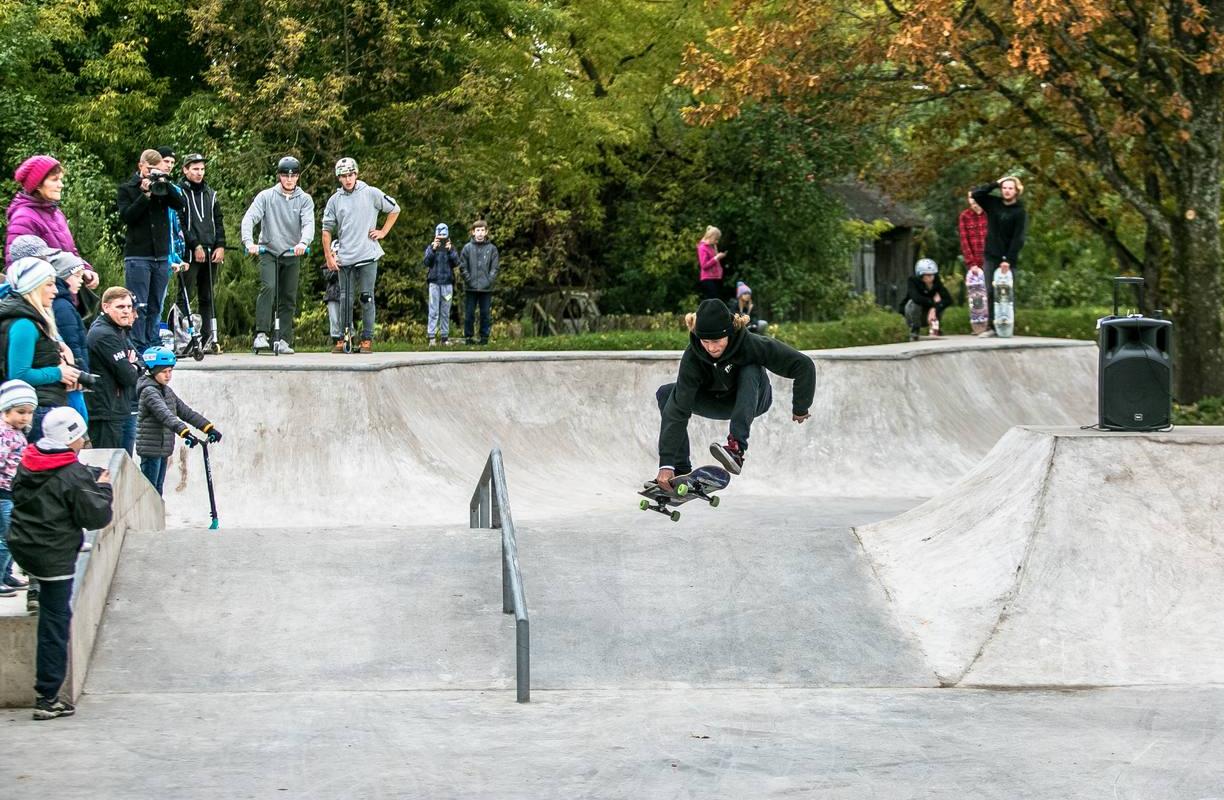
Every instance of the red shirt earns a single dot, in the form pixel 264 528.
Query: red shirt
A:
pixel 972 226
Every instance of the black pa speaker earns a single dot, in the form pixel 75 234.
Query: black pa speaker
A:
pixel 1135 375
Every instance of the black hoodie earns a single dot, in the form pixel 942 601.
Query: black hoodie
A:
pixel 55 496
pixel 699 372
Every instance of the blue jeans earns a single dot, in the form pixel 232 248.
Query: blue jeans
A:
pixel 54 619
pixel 155 470
pixel 147 279
pixel 440 296
pixel 470 299
pixel 6 558
pixel 129 434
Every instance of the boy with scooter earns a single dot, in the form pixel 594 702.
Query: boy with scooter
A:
pixel 162 416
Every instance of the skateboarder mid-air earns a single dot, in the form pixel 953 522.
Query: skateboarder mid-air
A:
pixel 722 376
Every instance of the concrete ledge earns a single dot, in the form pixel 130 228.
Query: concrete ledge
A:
pixel 137 507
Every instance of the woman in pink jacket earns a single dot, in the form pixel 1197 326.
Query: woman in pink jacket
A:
pixel 36 209
pixel 710 262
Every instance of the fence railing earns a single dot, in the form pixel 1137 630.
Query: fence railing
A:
pixel 490 508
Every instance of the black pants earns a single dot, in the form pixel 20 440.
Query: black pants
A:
pixel 54 619
pixel 752 397
pixel 470 300
pixel 106 433
pixel 709 288
pixel 199 288
pixel 916 315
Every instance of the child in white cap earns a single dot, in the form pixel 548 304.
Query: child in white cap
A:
pixel 55 497
pixel 17 402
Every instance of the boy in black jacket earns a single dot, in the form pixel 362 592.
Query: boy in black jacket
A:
pixel 55 496
pixel 722 376
pixel 113 358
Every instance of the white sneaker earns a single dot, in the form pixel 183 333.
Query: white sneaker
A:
pixel 283 347
pixel 432 343
pixel 986 334
pixel 86 547
pixel 261 341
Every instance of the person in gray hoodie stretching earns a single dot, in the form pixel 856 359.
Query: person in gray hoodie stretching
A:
pixel 285 216
pixel 478 263
pixel 351 217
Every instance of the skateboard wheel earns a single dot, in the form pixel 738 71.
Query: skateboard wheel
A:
pixel 714 501
pixel 644 505
pixel 675 516
pixel 682 490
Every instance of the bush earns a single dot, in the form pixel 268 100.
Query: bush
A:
pixel 1208 411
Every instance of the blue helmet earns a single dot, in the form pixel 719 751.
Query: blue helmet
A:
pixel 158 357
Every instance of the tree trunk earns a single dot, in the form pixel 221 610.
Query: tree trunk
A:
pixel 1198 315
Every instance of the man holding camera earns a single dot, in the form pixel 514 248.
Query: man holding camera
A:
pixel 145 201
pixel 205 232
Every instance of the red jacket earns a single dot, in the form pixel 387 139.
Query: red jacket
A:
pixel 972 226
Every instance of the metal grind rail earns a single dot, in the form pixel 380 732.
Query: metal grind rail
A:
pixel 490 508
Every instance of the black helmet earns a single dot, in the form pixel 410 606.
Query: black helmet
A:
pixel 288 166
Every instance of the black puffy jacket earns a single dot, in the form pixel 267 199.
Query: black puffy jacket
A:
pixel 46 349
pixel 55 496
pixel 162 417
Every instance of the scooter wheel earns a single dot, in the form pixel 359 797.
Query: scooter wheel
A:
pixel 198 354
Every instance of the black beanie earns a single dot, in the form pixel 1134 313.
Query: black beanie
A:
pixel 713 320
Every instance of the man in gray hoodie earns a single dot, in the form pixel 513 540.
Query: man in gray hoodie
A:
pixel 285 216
pixel 479 264
pixel 351 218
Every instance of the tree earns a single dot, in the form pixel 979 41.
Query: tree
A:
pixel 1117 106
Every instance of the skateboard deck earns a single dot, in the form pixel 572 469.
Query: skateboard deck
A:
pixel 701 483
pixel 1005 303
pixel 975 297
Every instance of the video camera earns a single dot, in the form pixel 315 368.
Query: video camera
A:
pixel 87 380
pixel 159 183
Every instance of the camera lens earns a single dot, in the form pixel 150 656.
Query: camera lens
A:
pixel 87 380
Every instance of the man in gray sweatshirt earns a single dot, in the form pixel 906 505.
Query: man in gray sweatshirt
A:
pixel 351 219
pixel 285 216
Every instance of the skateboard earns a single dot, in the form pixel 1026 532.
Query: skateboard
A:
pixel 975 294
pixel 702 483
pixel 1005 303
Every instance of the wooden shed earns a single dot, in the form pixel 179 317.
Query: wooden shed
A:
pixel 879 267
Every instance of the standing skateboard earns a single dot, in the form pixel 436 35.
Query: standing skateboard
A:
pixel 1005 303
pixel 702 483
pixel 975 296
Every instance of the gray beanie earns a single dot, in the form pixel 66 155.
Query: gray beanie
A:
pixel 27 245
pixel 17 393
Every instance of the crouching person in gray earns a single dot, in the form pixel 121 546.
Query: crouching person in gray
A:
pixel 285 216
pixel 351 217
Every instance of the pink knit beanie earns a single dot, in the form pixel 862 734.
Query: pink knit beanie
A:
pixel 33 171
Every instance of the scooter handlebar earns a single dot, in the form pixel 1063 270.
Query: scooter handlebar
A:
pixel 263 250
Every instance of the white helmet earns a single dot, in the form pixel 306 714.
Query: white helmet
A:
pixel 345 166
pixel 926 266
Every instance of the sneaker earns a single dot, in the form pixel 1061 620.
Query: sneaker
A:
pixel 447 343
pixel 913 335
pixel 7 591
pixel 283 348
pixel 50 709
pixel 484 342
pixel 13 582
pixel 469 341
pixel 730 455
pixel 986 334
pixel 32 601
pixel 338 346
pixel 367 346
pixel 85 547
pixel 432 343
pixel 261 342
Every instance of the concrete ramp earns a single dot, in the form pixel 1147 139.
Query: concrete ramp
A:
pixel 399 438
pixel 1067 558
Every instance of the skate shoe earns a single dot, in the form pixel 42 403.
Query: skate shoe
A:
pixel 261 342
pixel 7 591
pixel 50 709
pixel 367 346
pixel 338 347
pixel 283 348
pixel 32 601
pixel 13 582
pixel 432 343
pixel 730 455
